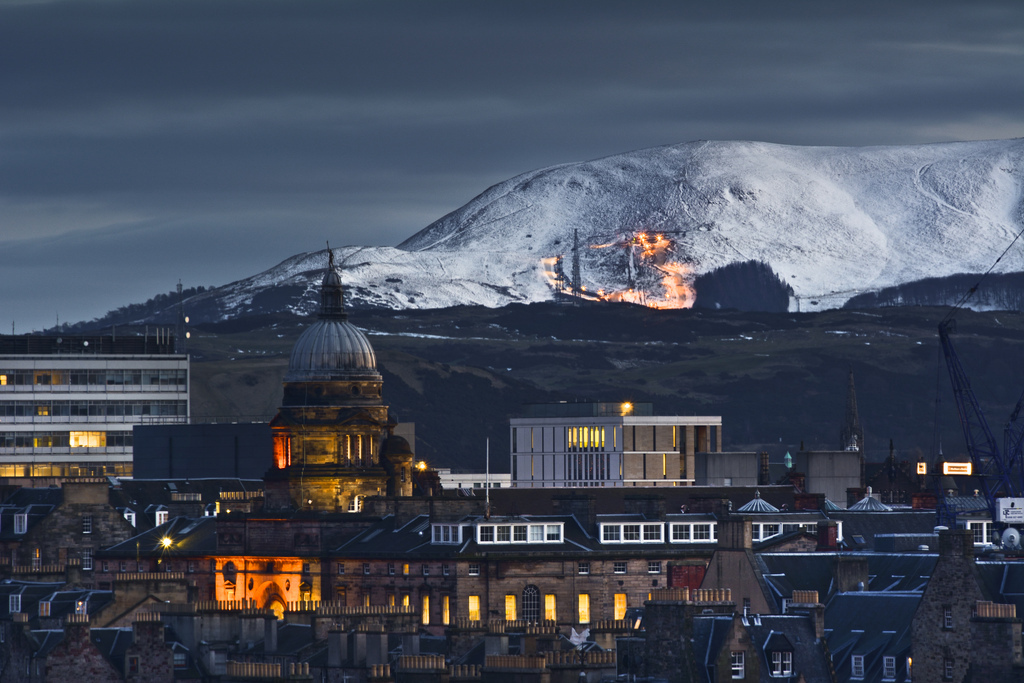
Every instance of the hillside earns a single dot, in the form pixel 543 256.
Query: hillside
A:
pixel 828 224
pixel 777 379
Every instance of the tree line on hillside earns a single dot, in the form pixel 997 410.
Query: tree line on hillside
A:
pixel 997 291
pixel 126 315
pixel 745 286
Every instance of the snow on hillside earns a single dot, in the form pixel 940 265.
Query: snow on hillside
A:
pixel 833 222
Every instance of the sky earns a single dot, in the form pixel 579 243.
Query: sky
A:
pixel 143 143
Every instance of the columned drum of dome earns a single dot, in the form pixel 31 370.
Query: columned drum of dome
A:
pixel 331 434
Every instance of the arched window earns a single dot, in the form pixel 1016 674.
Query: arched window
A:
pixel 531 604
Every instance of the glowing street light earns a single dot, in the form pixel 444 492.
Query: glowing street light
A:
pixel 166 541
pixel 421 465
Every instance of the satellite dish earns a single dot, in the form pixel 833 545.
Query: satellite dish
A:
pixel 1011 539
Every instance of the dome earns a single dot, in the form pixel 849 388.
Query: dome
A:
pixel 332 347
pixel 329 349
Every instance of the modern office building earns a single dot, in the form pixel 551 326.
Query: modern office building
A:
pixel 68 403
pixel 607 444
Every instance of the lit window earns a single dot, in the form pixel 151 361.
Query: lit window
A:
pixel 44 608
pixel 584 611
pixel 446 614
pixel 619 567
pixel 857 666
pixel 583 568
pixel 510 608
pixel 405 569
pixel 405 600
pixel 88 439
pixel 737 663
pixel 620 606
pixel 474 608
pixel 889 668
pixel 550 613
pixel 426 610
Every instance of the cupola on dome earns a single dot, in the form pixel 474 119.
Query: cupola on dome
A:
pixel 332 347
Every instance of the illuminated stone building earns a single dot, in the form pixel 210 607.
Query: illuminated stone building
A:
pixel 334 441
pixel 608 444
pixel 68 403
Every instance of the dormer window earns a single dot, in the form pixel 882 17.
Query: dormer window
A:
pixel 519 533
pixel 161 517
pixel 446 534
pixel 632 533
pixel 20 523
pixel 782 663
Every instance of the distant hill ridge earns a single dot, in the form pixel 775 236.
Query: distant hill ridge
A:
pixel 829 224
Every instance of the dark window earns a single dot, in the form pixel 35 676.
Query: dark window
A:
pixel 531 604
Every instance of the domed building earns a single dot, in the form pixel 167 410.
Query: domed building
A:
pixel 334 441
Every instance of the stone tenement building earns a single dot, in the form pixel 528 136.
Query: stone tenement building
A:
pixel 334 441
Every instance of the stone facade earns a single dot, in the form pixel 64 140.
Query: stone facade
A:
pixel 76 658
pixel 941 632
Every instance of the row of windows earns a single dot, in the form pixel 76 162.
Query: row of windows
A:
pixel 631 533
pixel 93 377
pixel 519 533
pixel 91 408
pixel 888 667
pixel 65 439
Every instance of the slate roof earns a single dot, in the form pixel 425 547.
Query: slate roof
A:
pixel 189 537
pixel 31 593
pixel 1004 581
pixel 887 572
pixel 860 528
pixel 35 503
pixel 773 632
pixel 869 504
pixel 871 624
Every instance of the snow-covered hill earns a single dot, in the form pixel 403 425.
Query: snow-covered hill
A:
pixel 832 222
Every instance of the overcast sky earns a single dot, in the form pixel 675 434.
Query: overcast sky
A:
pixel 146 142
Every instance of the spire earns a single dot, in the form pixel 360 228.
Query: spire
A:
pixel 851 436
pixel 332 298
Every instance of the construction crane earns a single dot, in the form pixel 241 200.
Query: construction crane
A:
pixel 998 470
